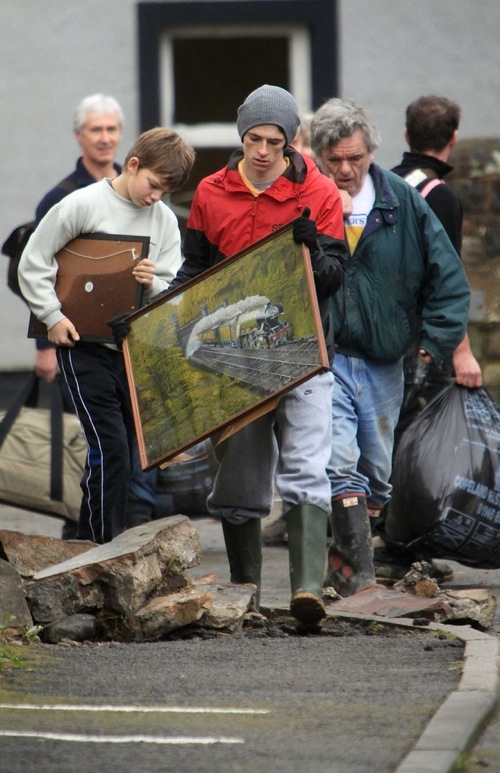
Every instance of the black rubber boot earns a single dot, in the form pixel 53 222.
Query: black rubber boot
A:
pixel 350 560
pixel 307 526
pixel 244 552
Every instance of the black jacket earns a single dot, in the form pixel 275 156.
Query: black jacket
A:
pixel 442 199
pixel 79 178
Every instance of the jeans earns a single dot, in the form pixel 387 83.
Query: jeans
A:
pixel 366 401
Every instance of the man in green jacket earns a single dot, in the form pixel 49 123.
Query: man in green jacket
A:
pixel 401 263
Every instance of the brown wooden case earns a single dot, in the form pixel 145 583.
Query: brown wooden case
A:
pixel 95 283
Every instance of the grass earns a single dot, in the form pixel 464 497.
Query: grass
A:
pixel 11 638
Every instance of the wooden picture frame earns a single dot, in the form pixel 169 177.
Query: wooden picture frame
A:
pixel 212 355
pixel 94 283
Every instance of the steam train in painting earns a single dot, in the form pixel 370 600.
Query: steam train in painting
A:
pixel 259 328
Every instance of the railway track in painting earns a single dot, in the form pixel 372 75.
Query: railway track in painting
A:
pixel 266 370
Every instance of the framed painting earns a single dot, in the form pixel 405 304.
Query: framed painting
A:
pixel 219 351
pixel 94 283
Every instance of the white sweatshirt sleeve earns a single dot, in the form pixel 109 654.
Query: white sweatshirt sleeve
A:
pixel 38 267
pixel 95 209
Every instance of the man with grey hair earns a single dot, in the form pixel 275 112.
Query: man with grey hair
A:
pixel 400 262
pixel 97 126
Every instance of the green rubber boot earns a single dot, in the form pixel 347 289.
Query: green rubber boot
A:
pixel 244 552
pixel 307 525
pixel 350 559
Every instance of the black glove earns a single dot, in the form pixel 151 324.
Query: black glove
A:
pixel 305 231
pixel 120 328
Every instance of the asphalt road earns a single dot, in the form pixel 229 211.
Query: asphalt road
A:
pixel 227 704
pixel 354 699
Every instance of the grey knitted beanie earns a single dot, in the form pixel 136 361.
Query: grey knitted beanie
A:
pixel 269 105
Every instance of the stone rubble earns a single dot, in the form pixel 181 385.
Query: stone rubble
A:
pixel 135 589
pixel 418 596
pixel 31 554
pixel 474 606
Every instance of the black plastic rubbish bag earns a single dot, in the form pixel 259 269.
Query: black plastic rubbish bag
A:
pixel 446 479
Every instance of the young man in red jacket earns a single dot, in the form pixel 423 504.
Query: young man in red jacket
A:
pixel 265 185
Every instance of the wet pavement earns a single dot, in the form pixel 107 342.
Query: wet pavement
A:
pixel 462 725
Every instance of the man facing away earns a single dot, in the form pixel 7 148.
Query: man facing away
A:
pixel 400 259
pixel 265 185
pixel 431 131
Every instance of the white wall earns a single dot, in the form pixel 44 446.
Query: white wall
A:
pixel 54 52
pixel 396 50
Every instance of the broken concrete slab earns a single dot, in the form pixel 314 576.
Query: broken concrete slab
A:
pixel 476 606
pixel 30 554
pixel 119 576
pixel 12 599
pixel 153 537
pixel 386 602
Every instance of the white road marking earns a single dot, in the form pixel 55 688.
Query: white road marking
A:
pixel 129 709
pixel 151 739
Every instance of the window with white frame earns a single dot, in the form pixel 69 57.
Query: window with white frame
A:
pixel 206 73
